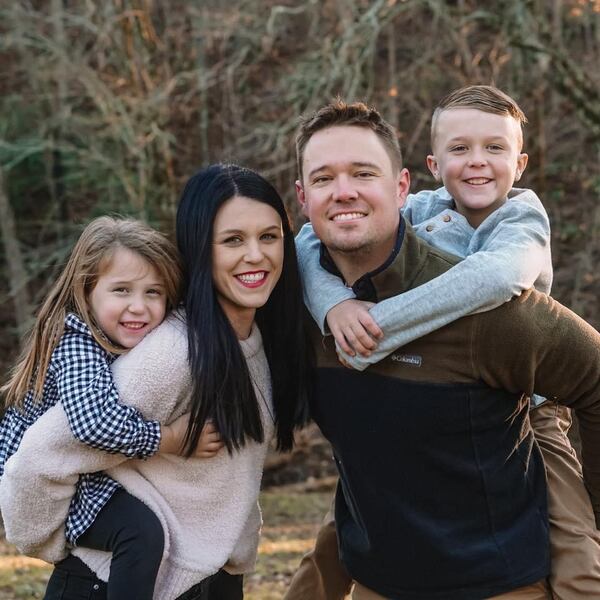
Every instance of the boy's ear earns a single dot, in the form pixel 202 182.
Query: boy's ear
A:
pixel 301 198
pixel 521 165
pixel 432 165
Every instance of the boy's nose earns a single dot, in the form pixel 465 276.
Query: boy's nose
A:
pixel 477 159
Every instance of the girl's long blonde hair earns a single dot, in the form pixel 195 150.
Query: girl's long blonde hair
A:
pixel 90 257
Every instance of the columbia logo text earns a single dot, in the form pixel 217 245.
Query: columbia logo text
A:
pixel 409 359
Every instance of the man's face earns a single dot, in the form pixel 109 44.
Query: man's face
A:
pixel 351 192
pixel 477 155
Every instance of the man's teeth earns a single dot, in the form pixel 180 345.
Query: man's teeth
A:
pixel 251 277
pixel 478 180
pixel 348 216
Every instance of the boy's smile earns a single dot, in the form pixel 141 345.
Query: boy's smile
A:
pixel 478 157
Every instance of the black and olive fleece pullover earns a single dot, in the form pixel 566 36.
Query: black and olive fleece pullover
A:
pixel 442 488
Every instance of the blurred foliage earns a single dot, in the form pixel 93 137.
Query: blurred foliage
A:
pixel 110 106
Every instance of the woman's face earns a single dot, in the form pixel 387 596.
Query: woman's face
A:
pixel 247 258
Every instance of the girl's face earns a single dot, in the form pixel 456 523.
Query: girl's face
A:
pixel 129 298
pixel 247 258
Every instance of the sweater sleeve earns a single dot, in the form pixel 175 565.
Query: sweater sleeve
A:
pixel 91 402
pixel 535 345
pixel 514 249
pixel 40 478
pixel 322 290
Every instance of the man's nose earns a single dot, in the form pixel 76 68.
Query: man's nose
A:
pixel 344 188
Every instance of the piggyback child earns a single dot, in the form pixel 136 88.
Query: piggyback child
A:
pixel 503 234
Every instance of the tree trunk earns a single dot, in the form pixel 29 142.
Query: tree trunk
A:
pixel 14 261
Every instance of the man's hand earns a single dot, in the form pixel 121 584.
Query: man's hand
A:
pixel 353 328
pixel 172 437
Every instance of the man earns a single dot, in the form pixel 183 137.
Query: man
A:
pixel 442 491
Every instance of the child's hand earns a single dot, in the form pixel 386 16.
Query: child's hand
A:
pixel 209 442
pixel 353 327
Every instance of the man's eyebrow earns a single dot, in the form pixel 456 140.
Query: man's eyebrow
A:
pixel 359 164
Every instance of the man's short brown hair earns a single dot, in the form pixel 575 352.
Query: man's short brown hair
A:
pixel 338 113
pixel 486 98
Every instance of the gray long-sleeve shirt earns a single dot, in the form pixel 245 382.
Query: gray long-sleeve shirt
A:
pixel 507 254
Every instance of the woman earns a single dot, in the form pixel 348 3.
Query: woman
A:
pixel 240 359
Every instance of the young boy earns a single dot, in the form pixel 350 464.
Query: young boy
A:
pixel 504 235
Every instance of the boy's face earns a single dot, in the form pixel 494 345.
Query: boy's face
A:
pixel 477 155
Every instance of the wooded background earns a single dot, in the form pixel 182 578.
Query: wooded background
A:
pixel 109 106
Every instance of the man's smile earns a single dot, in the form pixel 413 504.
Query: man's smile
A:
pixel 348 216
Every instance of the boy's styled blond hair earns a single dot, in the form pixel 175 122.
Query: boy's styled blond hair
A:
pixel 338 113
pixel 486 98
pixel 90 257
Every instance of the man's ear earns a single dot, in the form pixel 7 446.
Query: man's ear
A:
pixel 432 165
pixel 403 186
pixel 301 198
pixel 521 164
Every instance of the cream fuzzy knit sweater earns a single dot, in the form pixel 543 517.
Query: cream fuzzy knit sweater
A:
pixel 208 507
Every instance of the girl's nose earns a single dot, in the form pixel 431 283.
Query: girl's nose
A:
pixel 137 304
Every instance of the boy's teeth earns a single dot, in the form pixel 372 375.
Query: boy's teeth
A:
pixel 478 181
pixel 251 277
pixel 347 216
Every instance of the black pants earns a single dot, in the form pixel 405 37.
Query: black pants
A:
pixel 73 580
pixel 132 532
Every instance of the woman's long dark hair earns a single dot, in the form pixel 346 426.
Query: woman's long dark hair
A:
pixel 222 388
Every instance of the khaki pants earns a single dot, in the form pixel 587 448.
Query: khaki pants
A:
pixel 537 591
pixel 321 575
pixel 574 540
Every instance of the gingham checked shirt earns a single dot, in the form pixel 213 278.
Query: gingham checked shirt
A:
pixel 79 377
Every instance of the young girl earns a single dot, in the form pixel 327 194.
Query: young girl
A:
pixel 117 285
pixel 238 356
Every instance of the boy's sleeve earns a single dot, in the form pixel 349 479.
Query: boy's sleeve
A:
pixel 425 204
pixel 322 290
pixel 509 260
pixel 91 403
